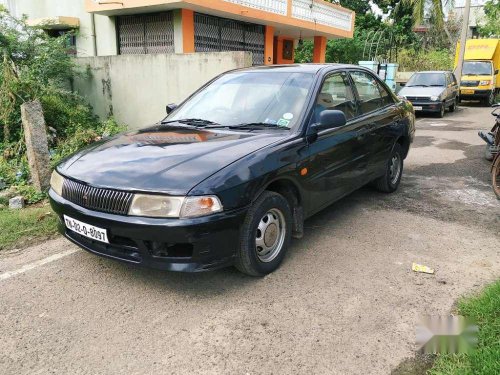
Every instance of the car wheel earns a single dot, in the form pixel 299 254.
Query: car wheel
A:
pixel 265 235
pixel 390 181
pixel 442 110
pixel 454 105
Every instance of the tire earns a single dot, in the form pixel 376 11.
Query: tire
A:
pixel 269 224
pixel 442 110
pixel 389 182
pixel 495 176
pixel 490 100
pixel 454 105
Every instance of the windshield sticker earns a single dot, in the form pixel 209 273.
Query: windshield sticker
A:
pixel 270 121
pixel 288 116
pixel 283 122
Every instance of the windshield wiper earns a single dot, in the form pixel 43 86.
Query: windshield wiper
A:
pixel 417 85
pixel 250 125
pixel 192 121
pixel 435 86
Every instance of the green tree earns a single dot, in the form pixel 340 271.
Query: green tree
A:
pixel 432 9
pixel 491 26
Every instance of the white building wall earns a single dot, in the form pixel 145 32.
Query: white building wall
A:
pixel 136 88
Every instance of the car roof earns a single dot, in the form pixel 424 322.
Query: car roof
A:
pixel 298 68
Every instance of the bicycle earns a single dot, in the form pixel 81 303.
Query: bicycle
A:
pixel 492 138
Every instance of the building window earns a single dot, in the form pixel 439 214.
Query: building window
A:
pixel 146 33
pixel 69 36
pixel 215 34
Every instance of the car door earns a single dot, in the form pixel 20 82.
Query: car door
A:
pixel 380 116
pixel 337 156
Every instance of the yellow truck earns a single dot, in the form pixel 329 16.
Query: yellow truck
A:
pixel 480 73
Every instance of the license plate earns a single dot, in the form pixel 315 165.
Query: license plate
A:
pixel 86 230
pixel 467 92
pixel 417 108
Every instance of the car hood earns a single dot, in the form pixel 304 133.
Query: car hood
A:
pixel 163 159
pixel 419 91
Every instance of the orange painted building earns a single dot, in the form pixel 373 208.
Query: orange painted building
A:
pixel 269 29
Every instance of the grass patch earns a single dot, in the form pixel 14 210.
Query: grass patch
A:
pixel 485 360
pixel 20 228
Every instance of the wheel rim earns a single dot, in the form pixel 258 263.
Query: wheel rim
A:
pixel 395 169
pixel 270 235
pixel 442 110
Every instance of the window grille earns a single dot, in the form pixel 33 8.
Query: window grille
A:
pixel 146 33
pixel 215 34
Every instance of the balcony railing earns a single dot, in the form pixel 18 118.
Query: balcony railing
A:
pixel 322 13
pixel 316 11
pixel 272 6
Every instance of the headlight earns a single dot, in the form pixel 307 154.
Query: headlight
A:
pixel 434 98
pixel 182 207
pixel 485 83
pixel 56 182
pixel 155 206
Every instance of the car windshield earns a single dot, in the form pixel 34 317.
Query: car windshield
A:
pixel 427 79
pixel 267 98
pixel 477 68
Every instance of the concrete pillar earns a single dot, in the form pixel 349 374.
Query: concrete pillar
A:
pixel 187 30
pixel 178 44
pixel 37 147
pixel 319 54
pixel 269 45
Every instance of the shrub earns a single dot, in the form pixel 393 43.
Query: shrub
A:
pixel 36 66
pixel 410 60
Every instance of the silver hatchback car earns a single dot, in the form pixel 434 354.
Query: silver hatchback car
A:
pixel 432 92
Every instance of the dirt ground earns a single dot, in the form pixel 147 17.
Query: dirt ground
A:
pixel 344 302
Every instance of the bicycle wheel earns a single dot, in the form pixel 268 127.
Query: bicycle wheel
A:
pixel 495 175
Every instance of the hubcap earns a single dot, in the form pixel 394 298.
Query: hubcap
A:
pixel 395 169
pixel 270 235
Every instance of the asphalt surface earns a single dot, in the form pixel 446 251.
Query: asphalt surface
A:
pixel 345 300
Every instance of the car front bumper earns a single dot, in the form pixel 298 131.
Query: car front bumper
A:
pixel 186 245
pixel 427 106
pixel 475 94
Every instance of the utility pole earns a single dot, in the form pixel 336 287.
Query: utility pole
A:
pixel 463 41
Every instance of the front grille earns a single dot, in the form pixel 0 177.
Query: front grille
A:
pixel 469 83
pixel 96 199
pixel 418 99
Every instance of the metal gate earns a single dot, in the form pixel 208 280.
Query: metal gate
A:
pixel 146 33
pixel 215 34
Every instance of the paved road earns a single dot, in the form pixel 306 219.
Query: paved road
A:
pixel 344 302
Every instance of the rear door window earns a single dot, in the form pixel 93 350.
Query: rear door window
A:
pixel 372 95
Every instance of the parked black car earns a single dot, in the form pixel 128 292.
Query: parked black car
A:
pixel 432 92
pixel 230 175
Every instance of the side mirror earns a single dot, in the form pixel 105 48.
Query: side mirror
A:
pixel 171 107
pixel 329 119
pixel 496 72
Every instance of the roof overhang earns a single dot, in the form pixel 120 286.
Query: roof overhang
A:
pixel 292 18
pixel 55 23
